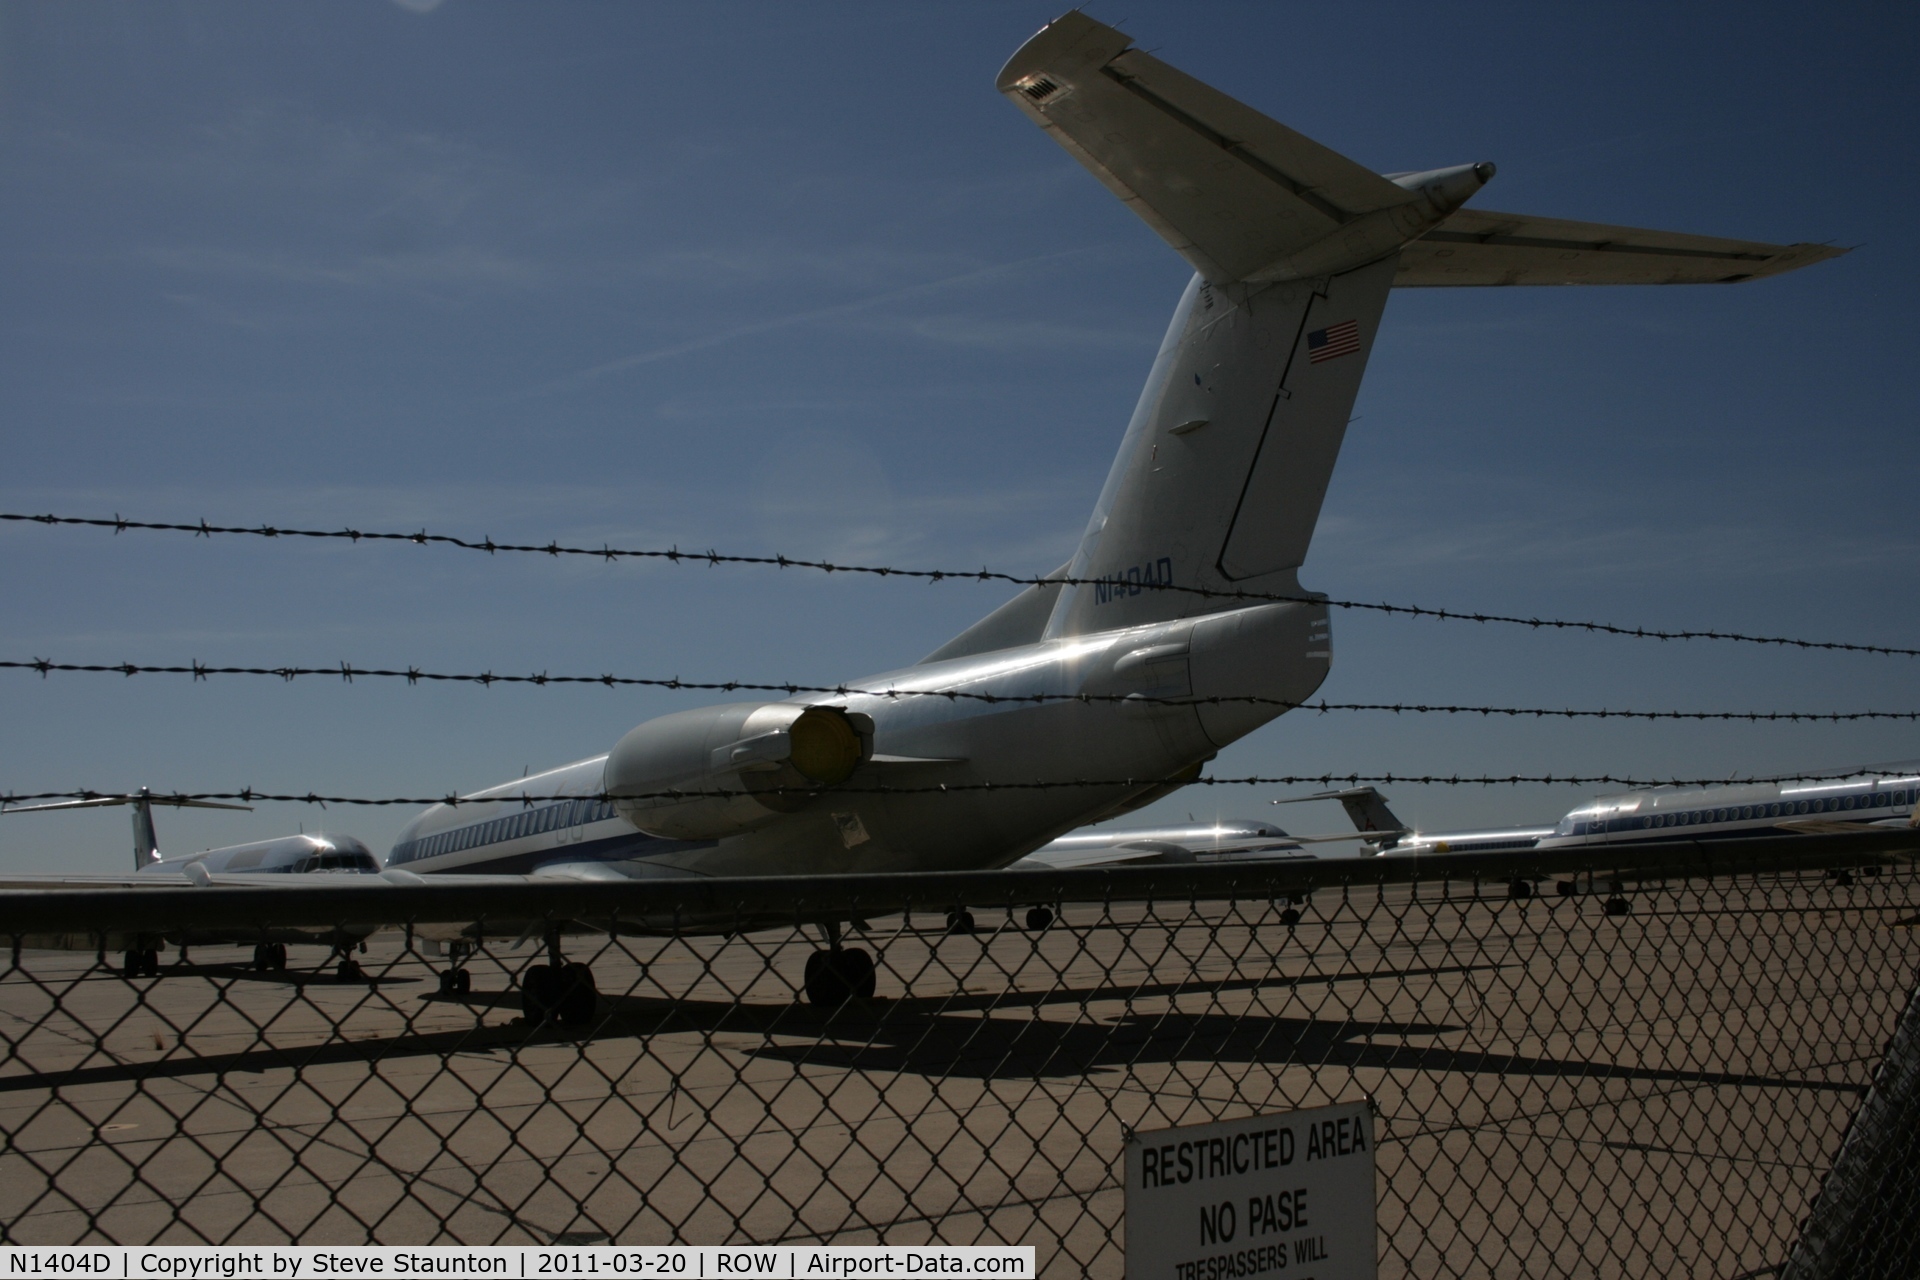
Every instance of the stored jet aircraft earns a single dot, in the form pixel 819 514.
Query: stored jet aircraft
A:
pixel 1827 802
pixel 1216 489
pixel 293 861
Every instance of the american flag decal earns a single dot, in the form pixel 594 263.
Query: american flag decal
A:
pixel 1334 341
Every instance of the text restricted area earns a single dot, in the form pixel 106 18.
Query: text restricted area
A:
pixel 289 1262
pixel 1286 1195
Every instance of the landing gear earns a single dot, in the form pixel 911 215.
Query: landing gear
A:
pixel 1842 878
pixel 1039 919
pixel 270 957
pixel 1565 888
pixel 959 920
pixel 1519 889
pixel 835 977
pixel 141 964
pixel 559 991
pixel 455 980
pixel 349 971
pixel 1618 906
pixel 840 974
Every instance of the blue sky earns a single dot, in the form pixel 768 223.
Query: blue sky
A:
pixel 775 278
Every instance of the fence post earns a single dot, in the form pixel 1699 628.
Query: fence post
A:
pixel 1865 1222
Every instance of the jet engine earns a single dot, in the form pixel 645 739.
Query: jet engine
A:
pixel 718 771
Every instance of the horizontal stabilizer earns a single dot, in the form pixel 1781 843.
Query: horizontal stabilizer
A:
pixel 1480 247
pixel 101 802
pixel 1230 189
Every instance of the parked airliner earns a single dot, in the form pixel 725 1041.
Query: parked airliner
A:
pixel 1825 801
pixel 1178 626
pixel 292 860
pixel 1216 491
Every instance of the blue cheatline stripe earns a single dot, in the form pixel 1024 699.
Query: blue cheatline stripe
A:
pixel 623 846
pixel 511 826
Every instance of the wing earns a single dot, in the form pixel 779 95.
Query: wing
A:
pixel 1480 247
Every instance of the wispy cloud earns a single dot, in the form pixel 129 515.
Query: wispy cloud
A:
pixel 810 316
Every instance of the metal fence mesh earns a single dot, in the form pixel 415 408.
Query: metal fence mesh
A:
pixel 1561 1089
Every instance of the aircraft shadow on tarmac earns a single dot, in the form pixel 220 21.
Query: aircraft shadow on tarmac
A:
pixel 946 1036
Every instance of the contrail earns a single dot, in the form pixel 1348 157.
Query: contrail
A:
pixel 800 317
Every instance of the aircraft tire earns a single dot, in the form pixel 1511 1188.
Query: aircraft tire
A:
pixel 1519 889
pixel 577 1000
pixel 1039 919
pixel 1618 906
pixel 446 982
pixel 349 971
pixel 959 920
pixel 1566 888
pixel 835 977
pixel 538 992
pixel 1290 917
pixel 855 968
pixel 462 981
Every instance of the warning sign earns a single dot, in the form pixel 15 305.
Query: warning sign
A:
pixel 1288 1195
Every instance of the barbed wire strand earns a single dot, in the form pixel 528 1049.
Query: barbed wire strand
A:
pixel 711 557
pixel 347 673
pixel 250 795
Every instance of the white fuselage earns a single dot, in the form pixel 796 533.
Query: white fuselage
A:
pixel 1874 795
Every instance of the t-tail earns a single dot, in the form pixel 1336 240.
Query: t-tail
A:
pixel 1220 477
pixel 1219 480
pixel 146 844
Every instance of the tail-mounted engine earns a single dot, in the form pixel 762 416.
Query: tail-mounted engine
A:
pixel 718 771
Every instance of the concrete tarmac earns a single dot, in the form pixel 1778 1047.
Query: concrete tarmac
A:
pixel 1559 1091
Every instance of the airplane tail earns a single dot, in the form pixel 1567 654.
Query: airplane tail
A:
pixel 1220 477
pixel 146 842
pixel 146 845
pixel 1366 809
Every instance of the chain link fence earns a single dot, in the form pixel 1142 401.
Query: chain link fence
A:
pixel 1588 1080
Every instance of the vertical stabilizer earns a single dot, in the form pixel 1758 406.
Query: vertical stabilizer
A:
pixel 1220 477
pixel 146 844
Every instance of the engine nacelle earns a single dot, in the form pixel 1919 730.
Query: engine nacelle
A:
pixel 718 771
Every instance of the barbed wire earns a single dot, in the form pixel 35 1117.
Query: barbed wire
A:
pixel 248 795
pixel 348 673
pixel 674 555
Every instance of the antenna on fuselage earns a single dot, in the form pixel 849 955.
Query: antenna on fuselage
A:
pixel 146 845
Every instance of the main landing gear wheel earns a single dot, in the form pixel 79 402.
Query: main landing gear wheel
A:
pixel 455 982
pixel 270 957
pixel 959 920
pixel 835 977
pixel 563 993
pixel 142 964
pixel 1520 889
pixel 1039 919
pixel 349 971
